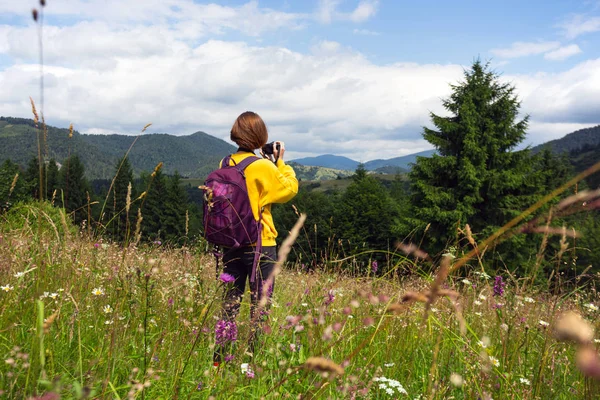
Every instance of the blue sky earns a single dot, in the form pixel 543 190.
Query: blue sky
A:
pixel 350 77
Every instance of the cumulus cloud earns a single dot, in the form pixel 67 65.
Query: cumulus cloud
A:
pixel 116 77
pixel 328 11
pixel 562 53
pixel 580 24
pixel 523 49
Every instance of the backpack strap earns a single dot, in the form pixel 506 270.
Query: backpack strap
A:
pixel 241 166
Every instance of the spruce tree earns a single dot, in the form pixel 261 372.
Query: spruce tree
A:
pixel 117 199
pixel 175 207
pixel 477 177
pixel 74 188
pixel 153 209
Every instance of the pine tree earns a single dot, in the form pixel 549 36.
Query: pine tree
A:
pixel 476 177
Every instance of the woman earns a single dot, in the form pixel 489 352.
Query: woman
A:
pixel 268 180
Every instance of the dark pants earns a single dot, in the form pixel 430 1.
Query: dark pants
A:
pixel 238 263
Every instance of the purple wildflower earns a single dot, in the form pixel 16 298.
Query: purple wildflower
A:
pixel 374 267
pixel 96 245
pixel 499 286
pixel 226 278
pixel 229 357
pixel 225 332
pixel 157 242
pixel 250 374
pixel 330 298
pixel 199 387
pixel 170 302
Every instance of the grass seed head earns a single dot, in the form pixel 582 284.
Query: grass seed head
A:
pixel 321 364
pixel 572 327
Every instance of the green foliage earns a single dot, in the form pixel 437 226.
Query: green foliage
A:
pixel 476 177
pixel 74 188
pixel 27 216
pixel 9 194
pixel 119 224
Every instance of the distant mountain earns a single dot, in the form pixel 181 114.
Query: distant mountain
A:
pixel 573 141
pixel 401 162
pixel 329 161
pixel 314 173
pixel 393 165
pixel 193 155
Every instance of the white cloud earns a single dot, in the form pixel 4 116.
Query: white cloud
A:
pixel 115 78
pixel 579 24
pixel 523 49
pixel 365 32
pixel 562 53
pixel 327 11
pixel 365 10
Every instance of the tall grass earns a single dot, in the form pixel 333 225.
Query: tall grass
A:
pixel 111 322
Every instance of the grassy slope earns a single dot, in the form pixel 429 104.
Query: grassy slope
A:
pixel 120 318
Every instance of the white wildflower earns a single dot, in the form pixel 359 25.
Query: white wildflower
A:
pixel 6 288
pixel 482 297
pixel 528 300
pixel 107 309
pixel 108 322
pixel 466 282
pixel 544 323
pixel 98 291
pixel 591 306
pixel 494 361
pixel 525 381
pixel 477 302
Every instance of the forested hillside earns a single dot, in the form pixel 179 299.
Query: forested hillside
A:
pixel 193 155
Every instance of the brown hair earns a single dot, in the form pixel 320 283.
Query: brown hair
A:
pixel 249 131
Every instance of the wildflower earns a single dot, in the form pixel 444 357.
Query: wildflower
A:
pixel 229 357
pixel 525 381
pixel 330 298
pixel 389 385
pixel 107 309
pixel 226 278
pixel 477 302
pixel 374 267
pixel 199 387
pixel 108 322
pixel 494 361
pixel 19 274
pixel 544 323
pixel 6 288
pixel 225 332
pixel 482 297
pixel 528 300
pixel 466 282
pixel 157 242
pixel 591 307
pixel 246 370
pixel 504 327
pixel 98 291
pixel 571 326
pixel 388 365
pixel 481 344
pixel 53 295
pixel 293 347
pixel 499 286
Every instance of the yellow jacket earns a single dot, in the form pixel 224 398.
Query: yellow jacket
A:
pixel 267 183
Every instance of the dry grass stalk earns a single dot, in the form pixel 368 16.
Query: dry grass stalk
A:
pixel 49 321
pixel 70 131
pixel 578 198
pixel 13 184
pixel 34 111
pixel 396 308
pixel 138 227
pixel 156 169
pixel 146 127
pixel 321 364
pixel 413 249
pixel 128 199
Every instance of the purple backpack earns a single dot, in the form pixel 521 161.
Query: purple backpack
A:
pixel 228 218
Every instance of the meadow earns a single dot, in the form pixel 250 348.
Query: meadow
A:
pixel 84 318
